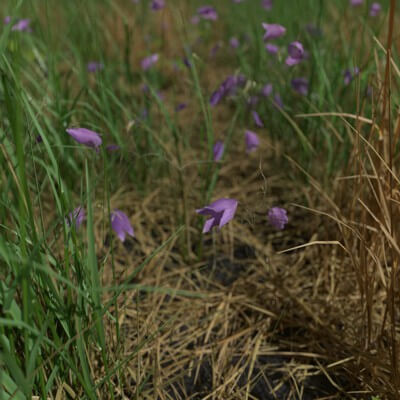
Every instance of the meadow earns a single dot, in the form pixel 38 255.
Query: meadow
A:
pixel 199 199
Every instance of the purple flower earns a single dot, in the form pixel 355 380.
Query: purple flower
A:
pixel 278 100
pixel 349 75
pixel 157 5
pixel 273 31
pixel 272 48
pixel 252 141
pixel 195 19
pixel 7 20
pixel 266 4
pixel 94 66
pixel 227 87
pixel 356 3
pixel 180 107
pixel 375 9
pixel 121 225
pixel 278 217
pixel 234 42
pixel 112 147
pixel 207 12
pixel 149 61
pixel 257 119
pixel 300 85
pixel 221 212
pixel 214 50
pixel 85 136
pixel 22 25
pixel 296 53
pixel 39 139
pixel 218 150
pixel 76 217
pixel 266 91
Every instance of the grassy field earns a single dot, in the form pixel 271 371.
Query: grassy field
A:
pixel 199 200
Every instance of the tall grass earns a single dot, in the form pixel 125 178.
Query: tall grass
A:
pixel 59 322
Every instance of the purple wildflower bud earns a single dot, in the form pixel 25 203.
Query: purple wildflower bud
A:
pixel 266 4
pixel 22 26
pixel 349 75
pixel 214 50
pixel 296 53
pixel 39 139
pixel 218 150
pixel 180 107
pixel 300 85
pixel 85 136
pixel 149 61
pixel 221 212
pixel 112 147
pixel 7 20
pixel 278 217
pixel 272 48
pixel 228 87
pixel 375 9
pixel 278 100
pixel 157 5
pixel 76 217
pixel 257 119
pixel 195 19
pixel 94 66
pixel 207 12
pixel 273 31
pixel 234 42
pixel 252 141
pixel 216 97
pixel 121 225
pixel 266 91
pixel 356 3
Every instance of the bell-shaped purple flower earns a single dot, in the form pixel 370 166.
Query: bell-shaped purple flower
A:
pixel 296 53
pixel 277 217
pixel 234 42
pixel 273 31
pixel 227 87
pixel 252 141
pixel 266 91
pixel 121 225
pixel 257 120
pixel 207 12
pixel 266 4
pixel 23 25
pixel 278 101
pixel 348 75
pixel 220 211
pixel 356 3
pixel 375 9
pixel 94 66
pixel 76 217
pixel 300 85
pixel 149 61
pixel 157 5
pixel 218 150
pixel 85 136
pixel 112 147
pixel 272 48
